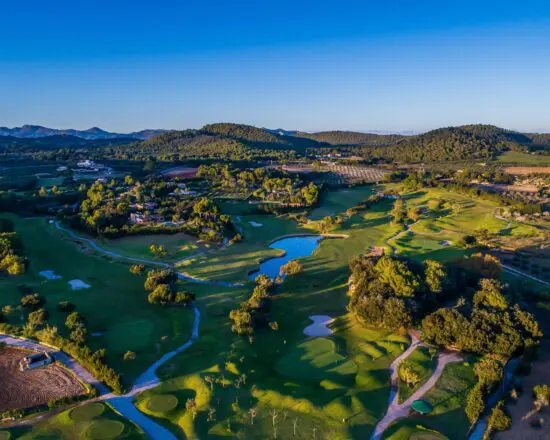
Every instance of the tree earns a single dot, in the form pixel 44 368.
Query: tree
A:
pixel 397 275
pixel 398 213
pixel 191 406
pixel 475 402
pixel 293 267
pixel 79 335
pixel 486 265
pixel 490 295
pixel 499 420
pixel 137 269
pixel 435 274
pixel 407 374
pixel 129 356
pixel 541 394
pixel 32 301
pixel 211 380
pixel 489 371
pixel 66 306
pixel 38 317
pixel 74 320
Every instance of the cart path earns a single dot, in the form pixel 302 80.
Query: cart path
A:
pixel 123 404
pixel 181 275
pixel 396 411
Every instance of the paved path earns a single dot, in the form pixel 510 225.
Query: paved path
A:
pixel 395 410
pixel 518 273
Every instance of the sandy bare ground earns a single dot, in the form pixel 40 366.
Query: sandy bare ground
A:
pixel 395 410
pixel 33 387
pixel 527 170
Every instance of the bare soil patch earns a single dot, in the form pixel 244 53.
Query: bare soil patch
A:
pixel 35 387
pixel 527 170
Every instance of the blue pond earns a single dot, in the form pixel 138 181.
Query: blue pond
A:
pixel 294 247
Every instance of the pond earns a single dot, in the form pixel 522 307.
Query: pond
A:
pixel 294 247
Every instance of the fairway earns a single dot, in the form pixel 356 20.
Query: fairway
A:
pixel 115 306
pixel 337 201
pixel 516 157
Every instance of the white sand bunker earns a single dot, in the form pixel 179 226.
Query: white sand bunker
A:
pixel 319 326
pixel 255 224
pixel 50 275
pixel 78 284
pixel 445 243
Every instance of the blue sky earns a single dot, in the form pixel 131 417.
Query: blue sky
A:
pixel 310 65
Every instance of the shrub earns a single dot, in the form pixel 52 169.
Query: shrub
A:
pixel 499 420
pixel 66 307
pixel 38 317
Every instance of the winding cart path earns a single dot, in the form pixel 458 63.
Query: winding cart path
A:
pixel 395 410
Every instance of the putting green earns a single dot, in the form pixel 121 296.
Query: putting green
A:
pixel 316 360
pixel 105 429
pixel 162 403
pixel 87 412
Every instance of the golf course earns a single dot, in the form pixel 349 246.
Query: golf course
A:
pixel 280 382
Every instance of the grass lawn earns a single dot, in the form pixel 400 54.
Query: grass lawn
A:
pixel 115 307
pixel 424 365
pixel 337 201
pixel 94 421
pixel 178 246
pixel 524 159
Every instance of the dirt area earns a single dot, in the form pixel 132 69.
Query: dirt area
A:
pixel 522 429
pixel 515 187
pixel 183 172
pixel 527 170
pixel 33 387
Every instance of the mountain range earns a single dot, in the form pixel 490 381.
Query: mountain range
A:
pixel 94 133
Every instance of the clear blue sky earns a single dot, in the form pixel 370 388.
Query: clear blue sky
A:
pixel 311 65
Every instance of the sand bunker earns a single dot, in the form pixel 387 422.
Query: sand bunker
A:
pixel 78 284
pixel 319 326
pixel 255 224
pixel 50 275
pixel 445 243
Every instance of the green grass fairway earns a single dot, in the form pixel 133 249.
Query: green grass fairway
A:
pixel 105 425
pixel 86 413
pixel 524 159
pixel 105 430
pixel 316 360
pixel 115 307
pixel 162 403
pixel 422 363
pixel 337 201
pixel 178 246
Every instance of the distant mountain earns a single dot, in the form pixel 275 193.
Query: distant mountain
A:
pixel 37 131
pixel 52 142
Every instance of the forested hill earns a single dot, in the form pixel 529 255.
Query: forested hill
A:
pixel 352 138
pixel 260 137
pixel 452 143
pixel 218 141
